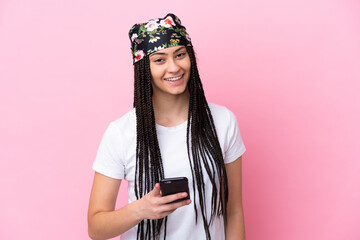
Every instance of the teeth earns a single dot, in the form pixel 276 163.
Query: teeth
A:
pixel 173 79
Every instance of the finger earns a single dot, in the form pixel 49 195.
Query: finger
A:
pixel 167 213
pixel 173 206
pixel 173 197
pixel 156 190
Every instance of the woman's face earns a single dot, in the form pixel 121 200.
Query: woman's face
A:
pixel 170 70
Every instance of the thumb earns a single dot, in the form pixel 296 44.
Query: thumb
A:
pixel 156 190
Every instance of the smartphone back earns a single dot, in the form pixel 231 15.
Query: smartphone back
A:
pixel 170 186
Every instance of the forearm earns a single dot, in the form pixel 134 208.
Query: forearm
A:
pixel 105 225
pixel 235 229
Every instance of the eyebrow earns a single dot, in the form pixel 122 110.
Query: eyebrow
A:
pixel 157 53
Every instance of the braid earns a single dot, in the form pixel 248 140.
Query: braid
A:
pixel 149 168
pixel 203 149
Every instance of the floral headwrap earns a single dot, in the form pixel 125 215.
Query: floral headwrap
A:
pixel 157 34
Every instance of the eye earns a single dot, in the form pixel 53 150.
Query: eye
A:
pixel 159 60
pixel 181 55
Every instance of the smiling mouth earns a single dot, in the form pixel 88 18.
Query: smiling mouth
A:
pixel 174 78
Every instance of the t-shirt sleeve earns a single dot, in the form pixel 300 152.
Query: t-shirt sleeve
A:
pixel 234 147
pixel 109 160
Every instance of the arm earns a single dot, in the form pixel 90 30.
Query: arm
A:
pixel 235 228
pixel 104 222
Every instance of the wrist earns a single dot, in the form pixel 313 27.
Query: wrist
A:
pixel 136 209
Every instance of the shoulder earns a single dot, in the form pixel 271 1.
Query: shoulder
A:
pixel 216 107
pixel 122 128
pixel 221 114
pixel 125 123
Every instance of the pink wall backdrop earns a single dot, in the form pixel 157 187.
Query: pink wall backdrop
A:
pixel 289 70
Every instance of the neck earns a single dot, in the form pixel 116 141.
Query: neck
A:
pixel 171 110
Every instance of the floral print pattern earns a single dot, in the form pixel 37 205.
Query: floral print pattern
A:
pixel 133 37
pixel 151 26
pixel 153 39
pixel 157 34
pixel 167 22
pixel 139 55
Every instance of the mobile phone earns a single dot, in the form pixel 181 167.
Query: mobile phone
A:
pixel 170 186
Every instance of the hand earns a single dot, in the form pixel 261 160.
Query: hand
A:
pixel 154 206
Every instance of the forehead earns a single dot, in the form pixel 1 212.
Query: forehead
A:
pixel 169 50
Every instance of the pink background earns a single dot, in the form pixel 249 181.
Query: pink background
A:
pixel 289 70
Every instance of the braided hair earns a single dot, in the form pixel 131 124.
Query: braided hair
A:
pixel 203 147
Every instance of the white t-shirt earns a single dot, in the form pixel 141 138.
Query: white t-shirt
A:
pixel 116 159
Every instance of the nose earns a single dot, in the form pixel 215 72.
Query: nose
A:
pixel 173 66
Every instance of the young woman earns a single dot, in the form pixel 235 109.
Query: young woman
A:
pixel 171 132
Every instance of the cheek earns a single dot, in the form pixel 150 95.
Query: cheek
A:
pixel 152 71
pixel 188 69
pixel 188 64
pixel 156 72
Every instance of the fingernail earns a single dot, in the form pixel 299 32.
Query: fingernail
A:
pixel 184 194
pixel 188 201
